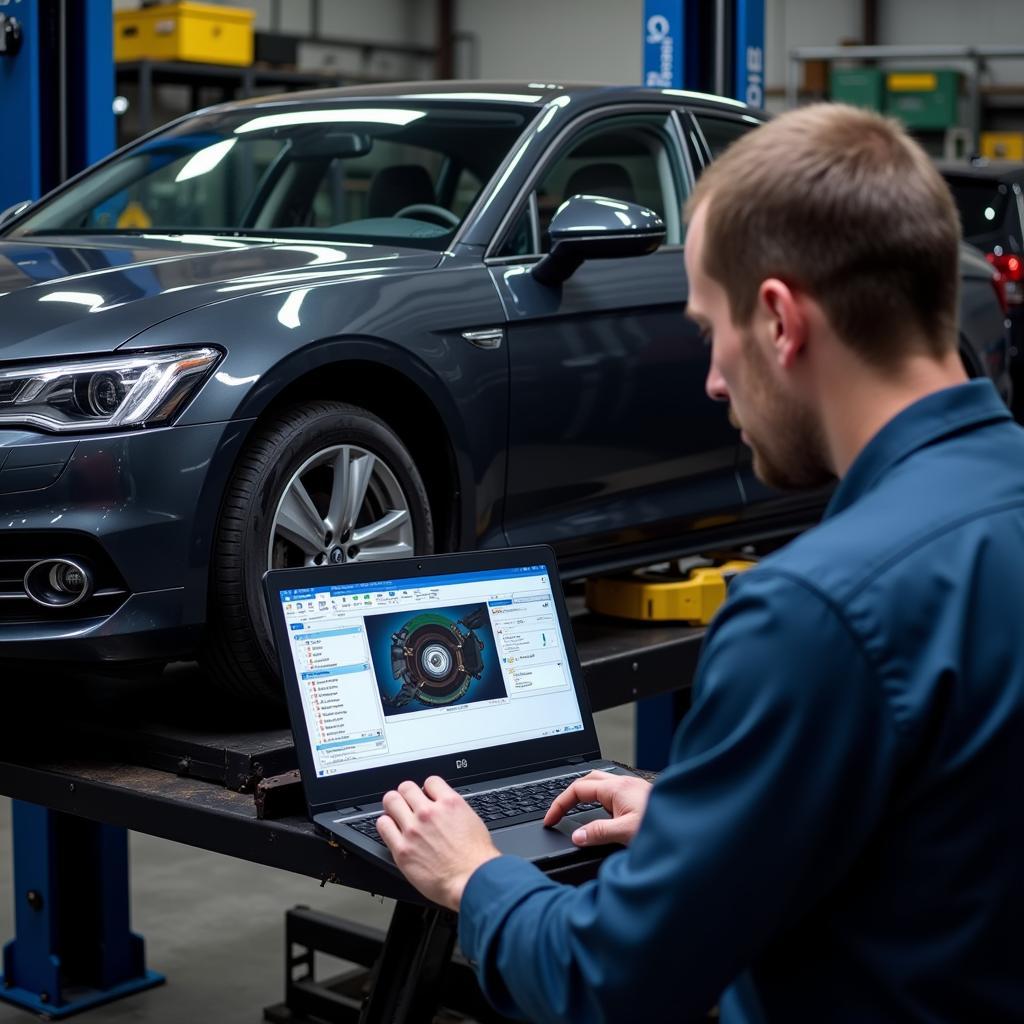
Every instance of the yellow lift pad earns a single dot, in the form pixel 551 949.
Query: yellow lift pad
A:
pixel 652 597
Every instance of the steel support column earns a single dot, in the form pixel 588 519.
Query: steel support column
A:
pixel 74 947
pixel 705 47
pixel 56 94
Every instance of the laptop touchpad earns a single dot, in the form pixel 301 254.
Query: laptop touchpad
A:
pixel 533 841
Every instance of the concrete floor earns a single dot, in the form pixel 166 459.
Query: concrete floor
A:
pixel 215 925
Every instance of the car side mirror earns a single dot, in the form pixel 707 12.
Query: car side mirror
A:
pixel 596 228
pixel 12 211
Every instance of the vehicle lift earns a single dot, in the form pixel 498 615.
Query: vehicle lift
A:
pixel 107 767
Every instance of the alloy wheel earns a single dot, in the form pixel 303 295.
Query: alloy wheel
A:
pixel 343 504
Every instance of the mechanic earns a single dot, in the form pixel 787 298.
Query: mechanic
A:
pixel 840 833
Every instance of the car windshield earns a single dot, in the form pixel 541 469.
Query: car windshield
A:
pixel 982 204
pixel 399 173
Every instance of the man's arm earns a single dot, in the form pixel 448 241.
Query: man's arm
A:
pixel 778 775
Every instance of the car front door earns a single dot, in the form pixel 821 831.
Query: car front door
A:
pixel 612 440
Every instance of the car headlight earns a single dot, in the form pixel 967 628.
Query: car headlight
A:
pixel 140 389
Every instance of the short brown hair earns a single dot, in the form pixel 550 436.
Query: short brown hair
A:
pixel 841 203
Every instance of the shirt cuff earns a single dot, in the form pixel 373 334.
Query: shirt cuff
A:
pixel 491 892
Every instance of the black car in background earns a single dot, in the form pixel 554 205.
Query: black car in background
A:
pixel 990 197
pixel 357 324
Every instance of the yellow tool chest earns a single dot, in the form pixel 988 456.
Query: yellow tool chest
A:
pixel 207 33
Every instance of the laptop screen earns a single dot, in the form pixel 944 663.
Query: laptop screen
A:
pixel 403 669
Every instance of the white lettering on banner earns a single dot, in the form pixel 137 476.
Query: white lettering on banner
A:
pixel 658 30
pixel 755 76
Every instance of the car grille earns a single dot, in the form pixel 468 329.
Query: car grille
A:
pixel 20 551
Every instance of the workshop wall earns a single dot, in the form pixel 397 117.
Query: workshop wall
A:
pixel 570 40
pixel 992 22
pixel 599 40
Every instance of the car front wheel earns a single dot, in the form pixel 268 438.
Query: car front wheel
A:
pixel 323 483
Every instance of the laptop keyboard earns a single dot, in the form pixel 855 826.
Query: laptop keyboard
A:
pixel 501 807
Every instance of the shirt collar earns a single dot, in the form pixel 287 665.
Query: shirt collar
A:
pixel 937 415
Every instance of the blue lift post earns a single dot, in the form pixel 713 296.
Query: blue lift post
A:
pixel 714 46
pixel 74 947
pixel 56 93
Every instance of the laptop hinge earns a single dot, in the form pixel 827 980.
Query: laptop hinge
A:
pixel 575 759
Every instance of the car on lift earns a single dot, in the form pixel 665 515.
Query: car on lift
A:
pixel 356 324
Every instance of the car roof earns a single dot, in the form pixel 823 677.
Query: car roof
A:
pixel 989 170
pixel 525 93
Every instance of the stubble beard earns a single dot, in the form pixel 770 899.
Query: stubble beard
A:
pixel 789 450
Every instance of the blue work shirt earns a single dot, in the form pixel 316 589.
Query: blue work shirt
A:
pixel 840 833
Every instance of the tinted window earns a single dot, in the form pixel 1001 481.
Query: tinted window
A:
pixel 396 172
pixel 720 132
pixel 626 158
pixel 982 204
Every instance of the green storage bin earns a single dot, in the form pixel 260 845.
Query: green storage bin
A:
pixel 924 100
pixel 860 87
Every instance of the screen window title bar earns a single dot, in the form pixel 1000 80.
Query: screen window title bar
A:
pixel 413 583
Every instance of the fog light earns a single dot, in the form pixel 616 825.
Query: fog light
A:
pixel 58 583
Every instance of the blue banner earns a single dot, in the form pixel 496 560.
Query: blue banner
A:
pixel 750 70
pixel 663 43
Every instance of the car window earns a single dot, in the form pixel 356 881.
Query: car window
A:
pixel 170 186
pixel 720 132
pixel 389 178
pixel 628 158
pixel 374 171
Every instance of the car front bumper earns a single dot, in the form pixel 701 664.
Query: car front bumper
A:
pixel 140 510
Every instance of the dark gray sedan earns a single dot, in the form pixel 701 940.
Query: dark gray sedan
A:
pixel 357 324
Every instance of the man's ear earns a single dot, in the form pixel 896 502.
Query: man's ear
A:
pixel 786 318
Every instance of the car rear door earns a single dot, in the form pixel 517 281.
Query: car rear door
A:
pixel 612 440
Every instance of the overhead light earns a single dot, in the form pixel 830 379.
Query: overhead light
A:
pixel 690 95
pixel 205 160
pixel 613 203
pixel 211 240
pixel 498 97
pixel 90 300
pixel 367 115
pixel 288 314
pixel 550 111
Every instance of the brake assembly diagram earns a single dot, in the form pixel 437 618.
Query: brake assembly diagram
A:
pixel 436 658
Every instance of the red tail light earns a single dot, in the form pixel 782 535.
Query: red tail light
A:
pixel 1009 280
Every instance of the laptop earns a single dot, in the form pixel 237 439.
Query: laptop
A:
pixel 459 665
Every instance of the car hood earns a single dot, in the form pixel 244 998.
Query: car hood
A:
pixel 74 295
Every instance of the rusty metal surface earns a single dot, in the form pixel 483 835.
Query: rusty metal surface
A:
pixel 193 812
pixel 205 815
pixel 280 795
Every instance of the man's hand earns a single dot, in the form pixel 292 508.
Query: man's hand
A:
pixel 437 840
pixel 624 797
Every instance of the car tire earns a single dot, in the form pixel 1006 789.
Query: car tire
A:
pixel 316 443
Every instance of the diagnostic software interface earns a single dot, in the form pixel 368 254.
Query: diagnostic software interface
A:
pixel 404 669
